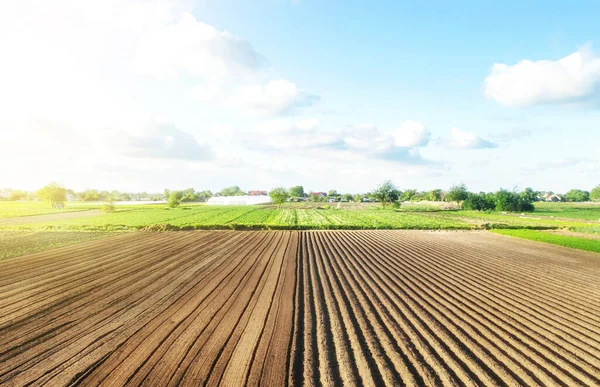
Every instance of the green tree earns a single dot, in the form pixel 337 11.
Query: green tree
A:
pixel 457 193
pixel 407 195
pixel 358 198
pixel 279 195
pixel 577 195
pixel 189 195
pixel 386 193
pixel 511 201
pixel 435 195
pixel 232 191
pixel 347 197
pixel 90 195
pixel 529 195
pixel 53 193
pixel 166 194
pixel 17 195
pixel 110 205
pixel 297 191
pixel 175 198
pixel 332 193
pixel 595 194
pixel 204 195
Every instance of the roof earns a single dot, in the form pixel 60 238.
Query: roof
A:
pixel 237 200
pixel 257 193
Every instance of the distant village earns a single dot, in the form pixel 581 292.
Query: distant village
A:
pixel 236 195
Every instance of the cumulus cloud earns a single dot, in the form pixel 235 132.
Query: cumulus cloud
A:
pixel 364 140
pixel 466 140
pixel 287 134
pixel 574 77
pixel 195 48
pixel 164 142
pixel 277 97
pixel 370 142
pixel 411 134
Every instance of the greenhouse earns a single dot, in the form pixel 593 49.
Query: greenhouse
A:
pixel 237 200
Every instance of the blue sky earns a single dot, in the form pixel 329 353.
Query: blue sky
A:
pixel 331 95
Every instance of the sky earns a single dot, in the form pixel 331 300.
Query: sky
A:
pixel 147 95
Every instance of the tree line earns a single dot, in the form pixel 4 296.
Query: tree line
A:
pixel 385 194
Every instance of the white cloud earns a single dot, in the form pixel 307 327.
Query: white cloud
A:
pixel 275 98
pixel 164 142
pixel 466 140
pixel 358 140
pixel 411 134
pixel 526 83
pixel 195 48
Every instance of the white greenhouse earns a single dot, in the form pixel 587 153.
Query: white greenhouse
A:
pixel 237 200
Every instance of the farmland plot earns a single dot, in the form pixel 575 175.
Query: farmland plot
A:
pixel 301 308
pixel 160 309
pixel 431 308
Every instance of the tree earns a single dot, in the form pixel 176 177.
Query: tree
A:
pixel 347 197
pixel 53 193
pixel 577 195
pixel 479 202
pixel 595 194
pixel 407 195
pixel 529 195
pixel 297 191
pixel 166 194
pixel 457 193
pixel 512 201
pixel 358 198
pixel 279 195
pixel 435 195
pixel 386 193
pixel 175 198
pixel 110 206
pixel 90 195
pixel 204 195
pixel 231 191
pixel 189 195
pixel 17 195
pixel 332 193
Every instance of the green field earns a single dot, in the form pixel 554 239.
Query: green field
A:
pixel 312 216
pixel 584 211
pixel 234 217
pixel 29 208
pixel 36 236
pixel 561 240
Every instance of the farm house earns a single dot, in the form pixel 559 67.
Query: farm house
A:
pixel 237 200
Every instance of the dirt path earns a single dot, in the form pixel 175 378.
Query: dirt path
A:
pixel 301 308
pixel 48 218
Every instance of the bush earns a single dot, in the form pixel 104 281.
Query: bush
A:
pixel 595 194
pixel 479 202
pixel 512 202
pixel 174 199
pixel 109 207
pixel 577 195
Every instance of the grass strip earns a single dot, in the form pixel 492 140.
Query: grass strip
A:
pixel 560 240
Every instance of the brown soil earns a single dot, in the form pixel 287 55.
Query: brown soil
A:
pixel 301 308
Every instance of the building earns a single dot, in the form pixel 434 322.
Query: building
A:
pixel 237 200
pixel 257 193
pixel 552 198
pixel 319 194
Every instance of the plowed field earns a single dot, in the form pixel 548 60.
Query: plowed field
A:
pixel 301 308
